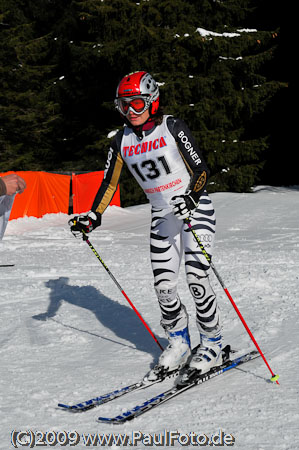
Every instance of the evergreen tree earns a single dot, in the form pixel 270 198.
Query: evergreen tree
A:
pixel 27 111
pixel 218 65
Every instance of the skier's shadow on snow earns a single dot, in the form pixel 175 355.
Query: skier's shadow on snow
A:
pixel 119 318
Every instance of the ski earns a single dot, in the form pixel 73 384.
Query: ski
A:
pixel 6 265
pixel 178 389
pixel 105 398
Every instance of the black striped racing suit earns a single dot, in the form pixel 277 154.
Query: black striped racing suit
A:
pixel 166 161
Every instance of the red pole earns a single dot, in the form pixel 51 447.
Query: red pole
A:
pixel 142 320
pixel 187 221
pixel 249 332
pixel 85 238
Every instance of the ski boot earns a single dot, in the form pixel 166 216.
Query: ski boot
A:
pixel 174 357
pixel 204 357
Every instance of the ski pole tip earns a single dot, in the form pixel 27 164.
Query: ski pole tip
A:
pixel 274 378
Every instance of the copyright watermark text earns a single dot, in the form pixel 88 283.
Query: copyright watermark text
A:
pixel 31 439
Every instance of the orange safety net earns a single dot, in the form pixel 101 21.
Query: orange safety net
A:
pixel 45 193
pixel 50 193
pixel 85 186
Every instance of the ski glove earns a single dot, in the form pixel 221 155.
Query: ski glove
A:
pixel 86 224
pixel 183 205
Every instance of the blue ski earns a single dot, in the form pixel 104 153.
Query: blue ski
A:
pixel 178 389
pixel 105 398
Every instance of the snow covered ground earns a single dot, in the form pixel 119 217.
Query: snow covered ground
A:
pixel 67 333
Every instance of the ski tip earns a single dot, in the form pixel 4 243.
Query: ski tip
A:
pixel 113 420
pixel 275 378
pixel 62 405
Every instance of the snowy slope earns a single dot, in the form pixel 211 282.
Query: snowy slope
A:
pixel 68 334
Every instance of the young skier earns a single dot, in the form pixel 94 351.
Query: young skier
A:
pixel 163 156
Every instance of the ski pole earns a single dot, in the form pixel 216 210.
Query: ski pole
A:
pixel 85 238
pixel 187 221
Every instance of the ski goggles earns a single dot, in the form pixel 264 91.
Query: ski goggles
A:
pixel 137 104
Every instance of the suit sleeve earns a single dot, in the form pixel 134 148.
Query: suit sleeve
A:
pixel 112 173
pixel 191 155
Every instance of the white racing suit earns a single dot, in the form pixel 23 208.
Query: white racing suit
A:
pixel 166 161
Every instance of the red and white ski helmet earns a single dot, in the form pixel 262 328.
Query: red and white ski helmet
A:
pixel 140 84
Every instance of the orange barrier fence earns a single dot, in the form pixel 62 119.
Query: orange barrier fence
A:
pixel 85 187
pixel 51 193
